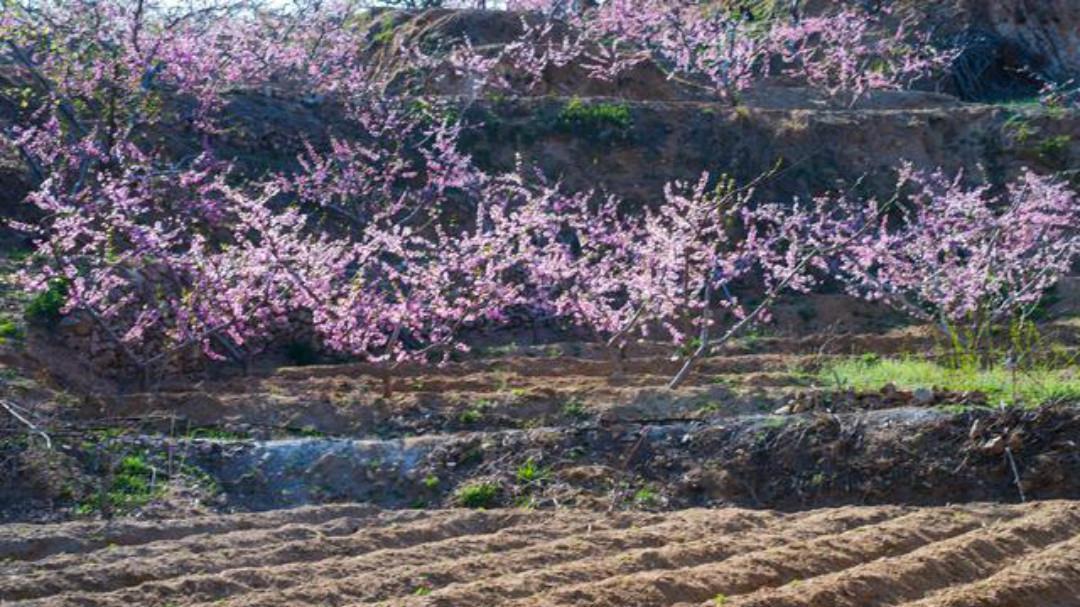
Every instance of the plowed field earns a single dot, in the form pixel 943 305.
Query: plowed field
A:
pixel 355 555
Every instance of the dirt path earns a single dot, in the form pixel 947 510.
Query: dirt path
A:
pixel 976 554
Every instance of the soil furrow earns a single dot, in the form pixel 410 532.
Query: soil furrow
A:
pixel 100 561
pixel 1050 578
pixel 359 580
pixel 703 549
pixel 311 545
pixel 776 566
pixel 194 580
pixel 873 556
pixel 34 542
pixel 963 559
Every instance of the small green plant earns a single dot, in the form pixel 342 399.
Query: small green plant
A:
pixel 431 481
pixel 475 413
pixel 44 308
pixel 575 409
pixel 9 330
pixel 1055 149
pixel 478 495
pixel 422 591
pixel 690 347
pixel 1021 128
pixel 595 119
pixel 720 600
pixel 471 416
pixel 134 484
pixel 646 496
pixel 386 29
pixel 530 472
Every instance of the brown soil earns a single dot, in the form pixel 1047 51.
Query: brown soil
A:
pixel 977 554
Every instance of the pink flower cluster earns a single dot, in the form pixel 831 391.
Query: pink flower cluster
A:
pixel 389 243
pixel 846 53
pixel 965 258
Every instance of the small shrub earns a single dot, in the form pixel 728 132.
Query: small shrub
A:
pixel 44 308
pixel 478 495
pixel 431 481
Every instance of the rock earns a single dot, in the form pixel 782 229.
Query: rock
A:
pixel 923 396
pixel 785 410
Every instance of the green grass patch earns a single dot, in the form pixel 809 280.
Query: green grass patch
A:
pixel 595 119
pixel 1031 386
pixel 478 495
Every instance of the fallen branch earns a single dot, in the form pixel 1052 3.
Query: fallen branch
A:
pixel 13 409
pixel 1016 473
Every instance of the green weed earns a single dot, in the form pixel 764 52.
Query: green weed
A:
pixel 530 472
pixel 575 409
pixel 477 495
